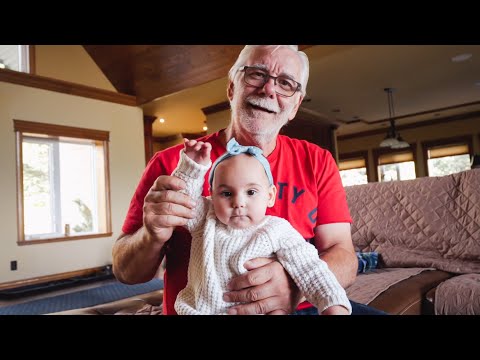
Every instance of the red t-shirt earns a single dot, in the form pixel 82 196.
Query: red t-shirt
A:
pixel 309 193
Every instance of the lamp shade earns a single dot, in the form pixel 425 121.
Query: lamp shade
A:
pixel 400 144
pixel 388 142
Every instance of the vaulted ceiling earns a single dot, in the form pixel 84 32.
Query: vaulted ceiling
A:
pixel 346 81
pixel 153 71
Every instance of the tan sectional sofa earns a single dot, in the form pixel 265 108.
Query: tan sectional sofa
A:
pixel 427 234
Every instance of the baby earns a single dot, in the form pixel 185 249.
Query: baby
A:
pixel 230 227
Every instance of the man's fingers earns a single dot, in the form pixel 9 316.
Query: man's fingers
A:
pixel 168 196
pixel 278 312
pixel 172 209
pixel 165 182
pixel 248 295
pixel 165 221
pixel 258 262
pixel 264 306
pixel 252 278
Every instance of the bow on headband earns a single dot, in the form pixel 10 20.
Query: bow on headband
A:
pixel 233 149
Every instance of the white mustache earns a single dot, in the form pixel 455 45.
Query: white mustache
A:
pixel 263 103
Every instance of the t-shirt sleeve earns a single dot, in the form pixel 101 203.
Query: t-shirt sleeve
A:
pixel 332 200
pixel 155 168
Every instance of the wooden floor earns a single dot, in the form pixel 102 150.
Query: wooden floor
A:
pixel 19 300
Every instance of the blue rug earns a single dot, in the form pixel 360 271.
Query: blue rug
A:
pixel 81 299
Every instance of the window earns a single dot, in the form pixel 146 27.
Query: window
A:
pixel 353 168
pixel 398 165
pixel 448 156
pixel 17 58
pixel 63 182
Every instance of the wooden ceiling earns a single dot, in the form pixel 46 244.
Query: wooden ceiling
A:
pixel 152 71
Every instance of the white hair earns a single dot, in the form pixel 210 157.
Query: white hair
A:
pixel 247 50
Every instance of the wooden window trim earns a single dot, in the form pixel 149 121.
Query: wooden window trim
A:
pixel 356 155
pixel 381 151
pixel 21 127
pixel 31 60
pixel 445 141
pixel 59 130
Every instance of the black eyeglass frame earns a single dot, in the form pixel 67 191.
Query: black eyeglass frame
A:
pixel 267 77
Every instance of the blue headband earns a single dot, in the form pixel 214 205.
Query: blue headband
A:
pixel 233 149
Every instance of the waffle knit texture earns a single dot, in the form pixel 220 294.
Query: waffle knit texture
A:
pixel 218 253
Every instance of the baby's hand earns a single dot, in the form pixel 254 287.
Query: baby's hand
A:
pixel 198 151
pixel 335 310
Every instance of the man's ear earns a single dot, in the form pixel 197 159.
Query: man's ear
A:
pixel 230 90
pixel 272 195
pixel 295 108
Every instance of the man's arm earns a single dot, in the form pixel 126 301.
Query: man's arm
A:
pixel 334 243
pixel 137 256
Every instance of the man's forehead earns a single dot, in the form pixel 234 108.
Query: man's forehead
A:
pixel 278 59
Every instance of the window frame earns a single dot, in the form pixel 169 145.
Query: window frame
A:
pixel 383 151
pixel 21 127
pixel 357 155
pixel 26 59
pixel 458 140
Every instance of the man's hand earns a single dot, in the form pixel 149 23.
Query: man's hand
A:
pixel 266 288
pixel 165 207
pixel 335 310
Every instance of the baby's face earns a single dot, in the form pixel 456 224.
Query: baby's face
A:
pixel 241 193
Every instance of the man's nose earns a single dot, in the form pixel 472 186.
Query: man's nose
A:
pixel 269 87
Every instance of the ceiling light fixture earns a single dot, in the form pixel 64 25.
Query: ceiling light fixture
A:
pixel 461 57
pixel 162 120
pixel 393 139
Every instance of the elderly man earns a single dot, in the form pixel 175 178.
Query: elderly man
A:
pixel 266 86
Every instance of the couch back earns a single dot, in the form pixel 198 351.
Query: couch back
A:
pixel 426 222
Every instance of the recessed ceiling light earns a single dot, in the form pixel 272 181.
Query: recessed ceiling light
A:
pixel 205 128
pixel 162 120
pixel 461 57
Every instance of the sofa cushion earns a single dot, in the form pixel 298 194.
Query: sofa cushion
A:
pixel 369 285
pixel 407 297
pixel 128 305
pixel 459 295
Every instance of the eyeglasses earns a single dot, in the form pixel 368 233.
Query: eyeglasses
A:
pixel 256 77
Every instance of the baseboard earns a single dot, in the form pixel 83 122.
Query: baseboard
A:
pixel 40 288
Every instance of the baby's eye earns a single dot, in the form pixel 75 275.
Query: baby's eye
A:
pixel 226 193
pixel 251 192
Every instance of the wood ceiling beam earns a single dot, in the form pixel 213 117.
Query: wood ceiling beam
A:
pixel 152 71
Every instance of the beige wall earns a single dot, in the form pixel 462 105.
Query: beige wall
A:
pixel 126 150
pixel 218 121
pixel 426 133
pixel 69 63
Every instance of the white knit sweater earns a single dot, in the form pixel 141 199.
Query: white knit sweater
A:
pixel 218 253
